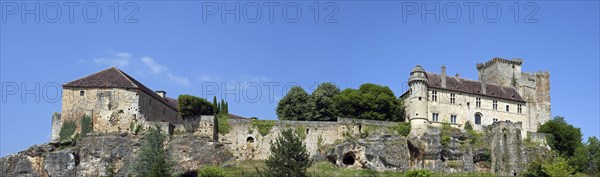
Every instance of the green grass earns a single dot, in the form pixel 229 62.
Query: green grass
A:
pixel 248 168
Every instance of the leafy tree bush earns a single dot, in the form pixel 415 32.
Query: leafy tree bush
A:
pixel 223 125
pixel 86 125
pixel 418 173
pixel 565 137
pixel 211 171
pixel 370 101
pixel 191 105
pixel 587 157
pixel 67 130
pixel 321 102
pixel 294 105
pixel 288 156
pixel 558 167
pixel 468 125
pixel 151 158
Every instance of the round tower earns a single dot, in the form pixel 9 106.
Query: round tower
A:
pixel 417 101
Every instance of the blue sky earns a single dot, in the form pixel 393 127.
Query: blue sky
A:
pixel 187 47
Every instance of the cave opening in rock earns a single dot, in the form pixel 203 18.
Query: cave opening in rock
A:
pixel 349 158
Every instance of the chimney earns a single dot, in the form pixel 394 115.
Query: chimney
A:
pixel 162 94
pixel 443 76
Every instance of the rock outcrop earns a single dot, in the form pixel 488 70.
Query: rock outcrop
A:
pixel 99 155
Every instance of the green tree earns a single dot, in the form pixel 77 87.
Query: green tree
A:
pixel 558 167
pixel 468 125
pixel 191 105
pixel 215 105
pixel 370 101
pixel 587 157
pixel 222 106
pixel 151 158
pixel 321 102
pixel 294 105
pixel 565 137
pixel 226 109
pixel 288 156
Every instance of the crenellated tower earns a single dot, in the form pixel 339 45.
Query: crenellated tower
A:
pixel 417 99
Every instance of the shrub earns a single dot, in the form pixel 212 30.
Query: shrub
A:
pixel 263 126
pixel 565 137
pixel 86 125
pixel 211 171
pixel 288 156
pixel 151 158
pixel 559 167
pixel 320 102
pixel 468 125
pixel 294 105
pixel 418 173
pixel 67 129
pixel 370 101
pixel 223 124
pixel 301 131
pixel 402 128
pixel 191 105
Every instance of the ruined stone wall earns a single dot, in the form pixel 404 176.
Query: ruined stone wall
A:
pixel 204 126
pixel 465 109
pixel 111 109
pixel 535 89
pixel 56 123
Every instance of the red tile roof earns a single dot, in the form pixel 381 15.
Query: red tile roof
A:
pixel 473 87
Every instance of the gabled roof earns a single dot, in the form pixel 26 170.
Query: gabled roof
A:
pixel 115 78
pixel 473 87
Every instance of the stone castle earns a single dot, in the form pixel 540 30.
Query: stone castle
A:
pixel 502 93
pixel 117 103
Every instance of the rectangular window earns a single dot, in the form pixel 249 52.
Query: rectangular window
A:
pixel 453 119
pixel 433 96
pixel 495 105
pixel 452 98
pixel 507 108
pixel 81 93
pixel 478 102
pixel 519 109
pixel 435 117
pixel 149 101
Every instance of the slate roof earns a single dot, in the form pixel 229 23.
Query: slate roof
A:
pixel 473 87
pixel 115 78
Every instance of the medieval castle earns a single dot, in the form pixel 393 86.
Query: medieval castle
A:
pixel 116 102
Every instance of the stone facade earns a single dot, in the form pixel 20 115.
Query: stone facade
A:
pixel 116 103
pixel 502 93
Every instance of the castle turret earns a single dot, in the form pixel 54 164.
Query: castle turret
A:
pixel 418 101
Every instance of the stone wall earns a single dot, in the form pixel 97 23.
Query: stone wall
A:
pixel 465 109
pixel 56 125
pixel 535 89
pixel 114 109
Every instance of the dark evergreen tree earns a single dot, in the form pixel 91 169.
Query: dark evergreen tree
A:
pixel 151 158
pixel 215 105
pixel 288 156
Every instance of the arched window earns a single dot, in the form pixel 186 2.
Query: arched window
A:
pixel 477 118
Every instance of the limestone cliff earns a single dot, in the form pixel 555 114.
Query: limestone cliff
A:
pixel 97 155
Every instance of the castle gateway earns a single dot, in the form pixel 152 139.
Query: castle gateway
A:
pixel 501 93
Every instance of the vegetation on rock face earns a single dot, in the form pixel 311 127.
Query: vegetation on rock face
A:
pixel 565 137
pixel 191 105
pixel 211 171
pixel 223 125
pixel 263 126
pixel 301 131
pixel 67 130
pixel 402 128
pixel 86 125
pixel 320 103
pixel 288 156
pixel 294 105
pixel 151 158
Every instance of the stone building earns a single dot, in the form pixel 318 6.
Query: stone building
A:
pixel 502 93
pixel 116 102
